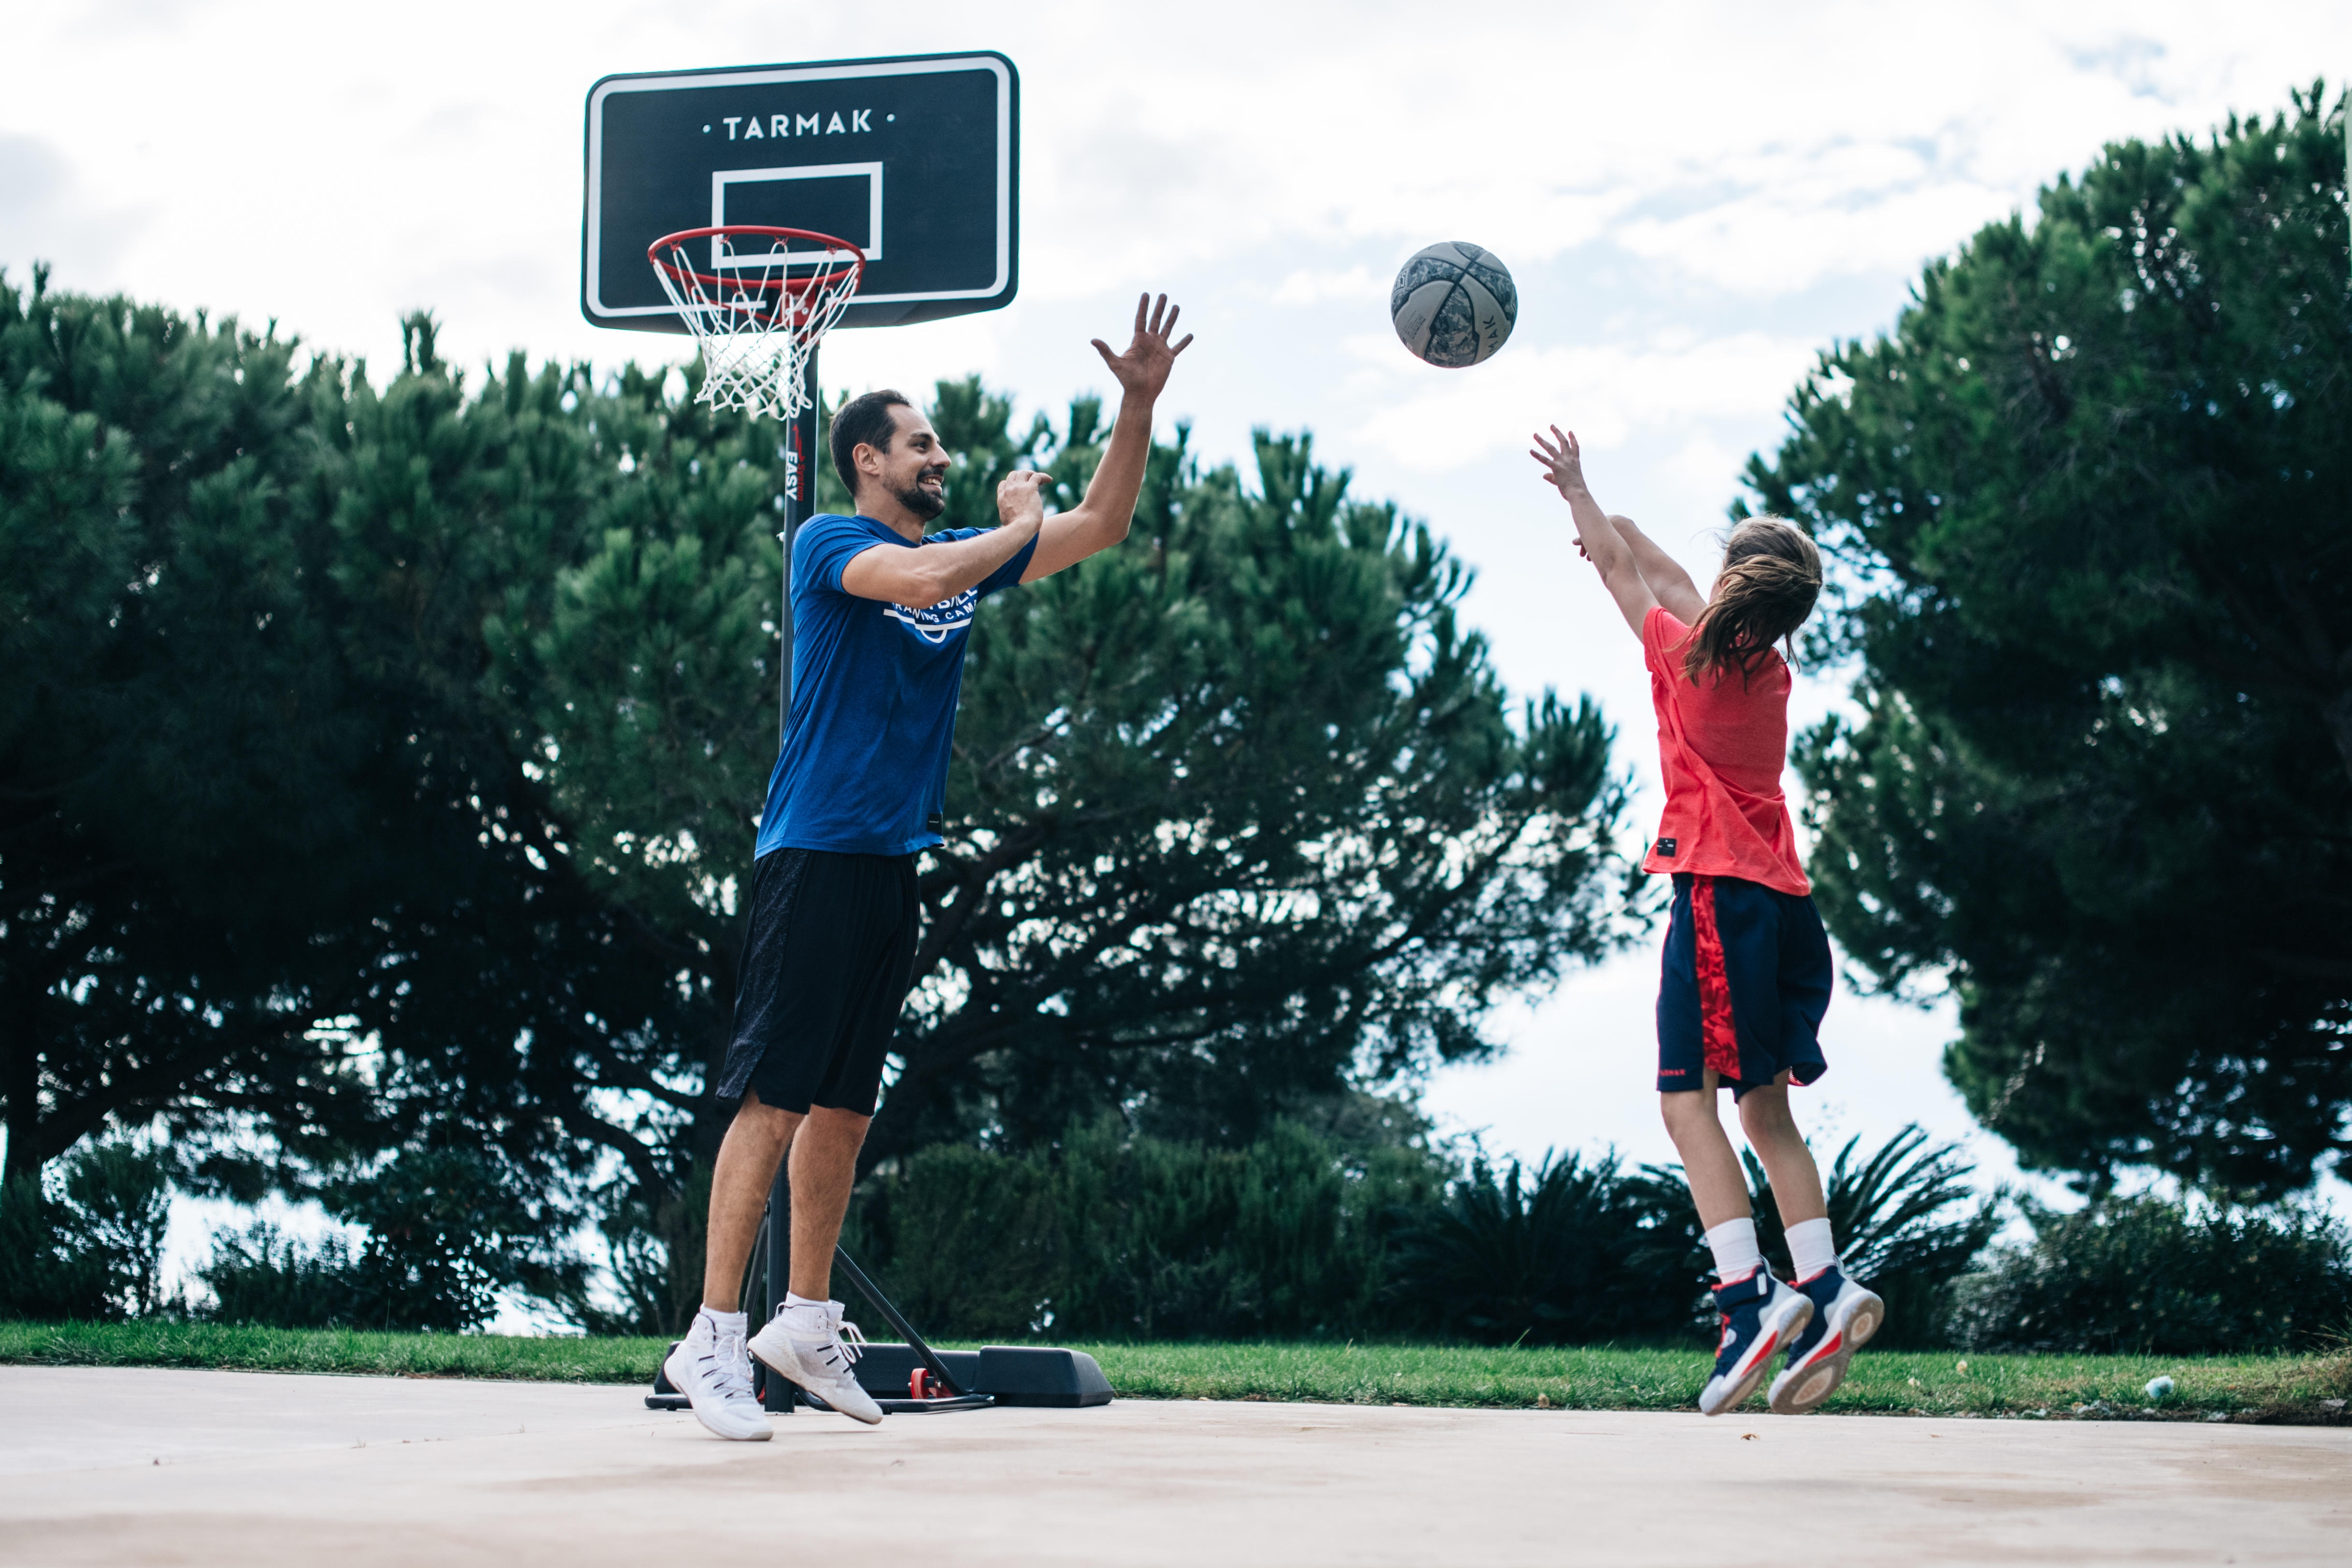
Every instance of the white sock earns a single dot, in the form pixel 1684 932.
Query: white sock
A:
pixel 794 1302
pixel 1811 1249
pixel 1733 1243
pixel 725 1321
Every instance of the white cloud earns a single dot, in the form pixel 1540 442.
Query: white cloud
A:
pixel 365 161
pixel 1314 285
pixel 43 217
pixel 1607 393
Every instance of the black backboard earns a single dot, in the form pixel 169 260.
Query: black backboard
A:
pixel 916 160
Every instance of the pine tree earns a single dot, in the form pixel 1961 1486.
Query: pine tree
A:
pixel 2102 789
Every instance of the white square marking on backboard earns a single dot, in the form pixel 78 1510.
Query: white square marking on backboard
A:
pixel 720 179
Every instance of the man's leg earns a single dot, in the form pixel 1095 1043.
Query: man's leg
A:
pixel 709 1364
pixel 876 915
pixel 740 1183
pixel 824 1167
pixel 805 1339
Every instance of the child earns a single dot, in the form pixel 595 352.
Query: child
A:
pixel 1746 973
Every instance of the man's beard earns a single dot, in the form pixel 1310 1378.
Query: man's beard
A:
pixel 924 504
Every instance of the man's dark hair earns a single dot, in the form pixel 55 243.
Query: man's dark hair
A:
pixel 864 421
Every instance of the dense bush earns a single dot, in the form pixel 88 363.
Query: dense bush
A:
pixel 90 1244
pixel 120 1194
pixel 1140 1238
pixel 1566 1254
pixel 47 1271
pixel 445 1232
pixel 437 1249
pixel 1312 1232
pixel 265 1276
pixel 654 1249
pixel 2142 1275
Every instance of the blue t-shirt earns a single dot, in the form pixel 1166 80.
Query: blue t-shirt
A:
pixel 864 766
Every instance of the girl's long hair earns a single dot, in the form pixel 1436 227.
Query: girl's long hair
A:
pixel 1771 577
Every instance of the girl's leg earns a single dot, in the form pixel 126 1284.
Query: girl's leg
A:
pixel 1844 1314
pixel 1717 1184
pixel 1796 1180
pixel 1760 1314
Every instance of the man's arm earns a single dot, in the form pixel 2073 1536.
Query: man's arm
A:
pixel 1596 536
pixel 1663 573
pixel 1101 519
pixel 934 573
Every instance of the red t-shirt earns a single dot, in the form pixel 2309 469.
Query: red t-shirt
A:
pixel 1721 743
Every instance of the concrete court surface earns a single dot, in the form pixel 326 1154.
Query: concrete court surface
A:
pixel 134 1466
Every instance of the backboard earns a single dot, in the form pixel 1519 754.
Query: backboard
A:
pixel 914 160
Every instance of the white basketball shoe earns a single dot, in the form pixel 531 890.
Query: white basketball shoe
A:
pixel 812 1346
pixel 709 1368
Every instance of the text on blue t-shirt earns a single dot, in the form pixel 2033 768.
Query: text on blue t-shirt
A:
pixel 863 765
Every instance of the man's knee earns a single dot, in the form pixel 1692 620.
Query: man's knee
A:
pixel 758 1112
pixel 756 1126
pixel 840 1123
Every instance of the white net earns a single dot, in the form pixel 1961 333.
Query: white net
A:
pixel 758 306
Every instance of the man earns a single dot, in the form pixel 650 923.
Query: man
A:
pixel 881 614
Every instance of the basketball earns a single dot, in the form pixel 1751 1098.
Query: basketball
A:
pixel 1453 304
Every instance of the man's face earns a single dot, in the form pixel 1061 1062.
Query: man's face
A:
pixel 915 467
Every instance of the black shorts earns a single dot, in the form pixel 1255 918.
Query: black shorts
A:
pixel 1746 983
pixel 828 961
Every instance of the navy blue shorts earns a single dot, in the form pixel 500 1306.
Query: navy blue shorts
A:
pixel 825 965
pixel 1745 984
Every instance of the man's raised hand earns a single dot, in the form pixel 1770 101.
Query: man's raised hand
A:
pixel 1101 518
pixel 1020 498
pixel 1143 369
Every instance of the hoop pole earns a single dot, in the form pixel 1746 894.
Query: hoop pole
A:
pixel 800 494
pixel 800 501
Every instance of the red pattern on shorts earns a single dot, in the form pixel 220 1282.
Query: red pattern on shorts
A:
pixel 1716 1027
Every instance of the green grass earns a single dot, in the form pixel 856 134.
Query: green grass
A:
pixel 1890 1383
pixel 238 1348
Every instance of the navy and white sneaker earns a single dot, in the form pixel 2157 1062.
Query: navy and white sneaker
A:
pixel 1844 1316
pixel 1760 1315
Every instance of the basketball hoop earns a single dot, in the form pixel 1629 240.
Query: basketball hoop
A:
pixel 758 307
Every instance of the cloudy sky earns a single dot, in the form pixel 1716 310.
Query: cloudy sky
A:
pixel 1694 198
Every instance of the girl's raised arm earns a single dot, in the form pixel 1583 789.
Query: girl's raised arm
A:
pixel 1595 534
pixel 1663 572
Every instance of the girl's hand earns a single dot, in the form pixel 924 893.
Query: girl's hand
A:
pixel 1562 462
